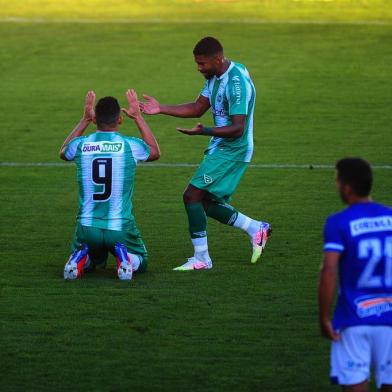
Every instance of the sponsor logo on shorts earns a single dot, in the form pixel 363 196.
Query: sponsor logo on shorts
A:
pixel 388 364
pixel 103 148
pixel 352 365
pixel 207 179
pixel 372 305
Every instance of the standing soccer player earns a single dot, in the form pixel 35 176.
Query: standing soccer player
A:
pixel 358 244
pixel 106 161
pixel 230 93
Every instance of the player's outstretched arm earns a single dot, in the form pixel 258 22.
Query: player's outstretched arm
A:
pixel 134 112
pixel 88 116
pixel 187 110
pixel 327 287
pixel 235 130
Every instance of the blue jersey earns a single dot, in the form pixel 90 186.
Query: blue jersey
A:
pixel 362 233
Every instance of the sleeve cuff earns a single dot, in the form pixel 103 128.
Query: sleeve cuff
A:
pixel 334 247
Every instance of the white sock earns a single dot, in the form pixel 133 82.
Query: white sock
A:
pixel 135 260
pixel 201 249
pixel 247 224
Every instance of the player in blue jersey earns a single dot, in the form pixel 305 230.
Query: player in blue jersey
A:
pixel 358 249
pixel 230 93
pixel 106 162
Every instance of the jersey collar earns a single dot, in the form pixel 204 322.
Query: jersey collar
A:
pixel 227 71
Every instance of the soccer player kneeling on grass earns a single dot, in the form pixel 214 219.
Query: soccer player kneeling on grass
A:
pixel 358 244
pixel 106 161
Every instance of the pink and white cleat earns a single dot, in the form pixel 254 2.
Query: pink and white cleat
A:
pixel 193 264
pixel 259 240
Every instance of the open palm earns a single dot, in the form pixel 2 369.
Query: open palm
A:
pixel 89 104
pixel 196 130
pixel 151 106
pixel 133 110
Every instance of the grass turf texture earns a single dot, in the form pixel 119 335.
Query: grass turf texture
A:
pixel 199 10
pixel 322 93
pixel 237 326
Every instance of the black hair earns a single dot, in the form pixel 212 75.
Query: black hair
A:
pixel 357 173
pixel 208 46
pixel 107 111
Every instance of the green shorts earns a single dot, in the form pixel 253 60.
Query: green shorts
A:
pixel 219 176
pixel 101 241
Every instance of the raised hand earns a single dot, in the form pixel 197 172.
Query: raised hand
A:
pixel 151 106
pixel 133 110
pixel 197 130
pixel 89 104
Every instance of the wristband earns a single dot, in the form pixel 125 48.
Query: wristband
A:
pixel 207 131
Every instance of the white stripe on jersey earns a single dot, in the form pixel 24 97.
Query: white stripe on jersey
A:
pixel 88 188
pixel 138 150
pixel 116 198
pixel 249 87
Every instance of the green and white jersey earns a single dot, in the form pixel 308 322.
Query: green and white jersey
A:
pixel 230 94
pixel 106 163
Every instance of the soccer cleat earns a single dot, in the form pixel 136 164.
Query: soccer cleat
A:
pixel 124 263
pixel 193 264
pixel 77 263
pixel 259 240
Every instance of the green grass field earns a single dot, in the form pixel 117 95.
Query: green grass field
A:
pixel 199 10
pixel 323 93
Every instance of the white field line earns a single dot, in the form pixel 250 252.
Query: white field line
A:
pixel 190 21
pixel 186 164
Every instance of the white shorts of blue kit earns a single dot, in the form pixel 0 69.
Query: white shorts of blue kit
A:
pixel 360 349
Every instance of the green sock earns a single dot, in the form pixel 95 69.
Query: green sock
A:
pixel 197 220
pixel 223 213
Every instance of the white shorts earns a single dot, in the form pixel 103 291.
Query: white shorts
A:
pixel 359 349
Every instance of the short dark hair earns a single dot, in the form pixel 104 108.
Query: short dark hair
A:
pixel 107 111
pixel 357 173
pixel 208 46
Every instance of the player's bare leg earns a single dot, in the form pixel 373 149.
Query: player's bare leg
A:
pixel 362 387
